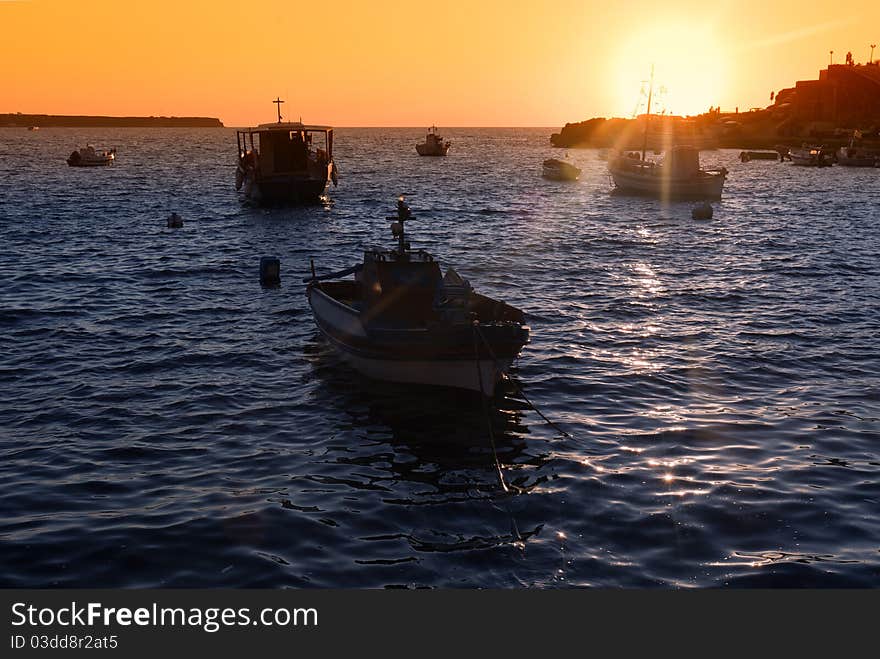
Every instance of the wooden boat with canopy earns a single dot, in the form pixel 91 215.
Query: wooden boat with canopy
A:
pixel 434 145
pixel 401 320
pixel 283 163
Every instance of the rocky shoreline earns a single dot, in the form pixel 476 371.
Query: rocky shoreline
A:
pixel 842 102
pixel 88 121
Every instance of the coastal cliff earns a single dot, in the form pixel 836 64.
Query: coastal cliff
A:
pixel 85 121
pixel 845 97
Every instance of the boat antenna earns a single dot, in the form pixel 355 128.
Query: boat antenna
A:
pixel 648 114
pixel 278 102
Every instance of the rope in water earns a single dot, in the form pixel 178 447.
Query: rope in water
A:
pixel 486 409
pixel 516 385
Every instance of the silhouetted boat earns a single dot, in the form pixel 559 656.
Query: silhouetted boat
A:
pixel 747 156
pixel 278 163
pixel 559 170
pixel 433 144
pixel 89 157
pixel 856 156
pixel 810 156
pixel 678 177
pixel 400 320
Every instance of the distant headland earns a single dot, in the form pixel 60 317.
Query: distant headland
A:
pixel 85 121
pixel 844 99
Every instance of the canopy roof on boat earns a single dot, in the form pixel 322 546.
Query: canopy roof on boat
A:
pixel 287 126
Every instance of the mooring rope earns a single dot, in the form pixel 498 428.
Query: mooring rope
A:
pixel 485 404
pixel 516 385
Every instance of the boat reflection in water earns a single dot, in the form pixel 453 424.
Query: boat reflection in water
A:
pixel 437 436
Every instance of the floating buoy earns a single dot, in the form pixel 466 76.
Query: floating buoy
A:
pixel 270 271
pixel 175 221
pixel 702 211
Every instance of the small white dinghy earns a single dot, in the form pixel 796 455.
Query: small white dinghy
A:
pixel 559 170
pixel 89 157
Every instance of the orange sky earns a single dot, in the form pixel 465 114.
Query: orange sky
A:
pixel 413 63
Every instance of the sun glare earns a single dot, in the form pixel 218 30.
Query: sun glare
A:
pixel 689 69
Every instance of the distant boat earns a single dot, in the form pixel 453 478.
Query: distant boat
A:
pixel 559 170
pixel 399 319
pixel 89 157
pixel 433 144
pixel 279 164
pixel 33 128
pixel 746 156
pixel 855 156
pixel 810 156
pixel 678 177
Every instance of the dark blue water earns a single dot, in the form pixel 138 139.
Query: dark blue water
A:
pixel 167 422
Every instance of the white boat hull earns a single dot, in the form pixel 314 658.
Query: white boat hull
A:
pixel 336 319
pixel 459 374
pixel 560 171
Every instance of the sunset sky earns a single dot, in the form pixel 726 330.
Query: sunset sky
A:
pixel 413 63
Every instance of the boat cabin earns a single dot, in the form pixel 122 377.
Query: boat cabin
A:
pixel 399 288
pixel 683 161
pixel 285 148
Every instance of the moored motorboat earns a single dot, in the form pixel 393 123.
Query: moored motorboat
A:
pixel 678 176
pixel 278 163
pixel 90 157
pixel 856 156
pixel 810 156
pixel 747 156
pixel 400 320
pixel 434 145
pixel 559 170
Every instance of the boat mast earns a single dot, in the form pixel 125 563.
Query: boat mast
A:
pixel 398 229
pixel 648 114
pixel 278 102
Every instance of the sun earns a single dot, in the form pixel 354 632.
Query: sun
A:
pixel 689 69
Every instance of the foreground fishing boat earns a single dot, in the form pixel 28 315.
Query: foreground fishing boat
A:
pixel 810 156
pixel 399 320
pixel 433 144
pixel 280 164
pixel 559 170
pixel 678 177
pixel 89 157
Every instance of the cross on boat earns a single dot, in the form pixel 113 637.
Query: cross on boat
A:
pixel 278 102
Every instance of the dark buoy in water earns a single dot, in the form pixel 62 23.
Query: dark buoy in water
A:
pixel 270 271
pixel 702 211
pixel 175 221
